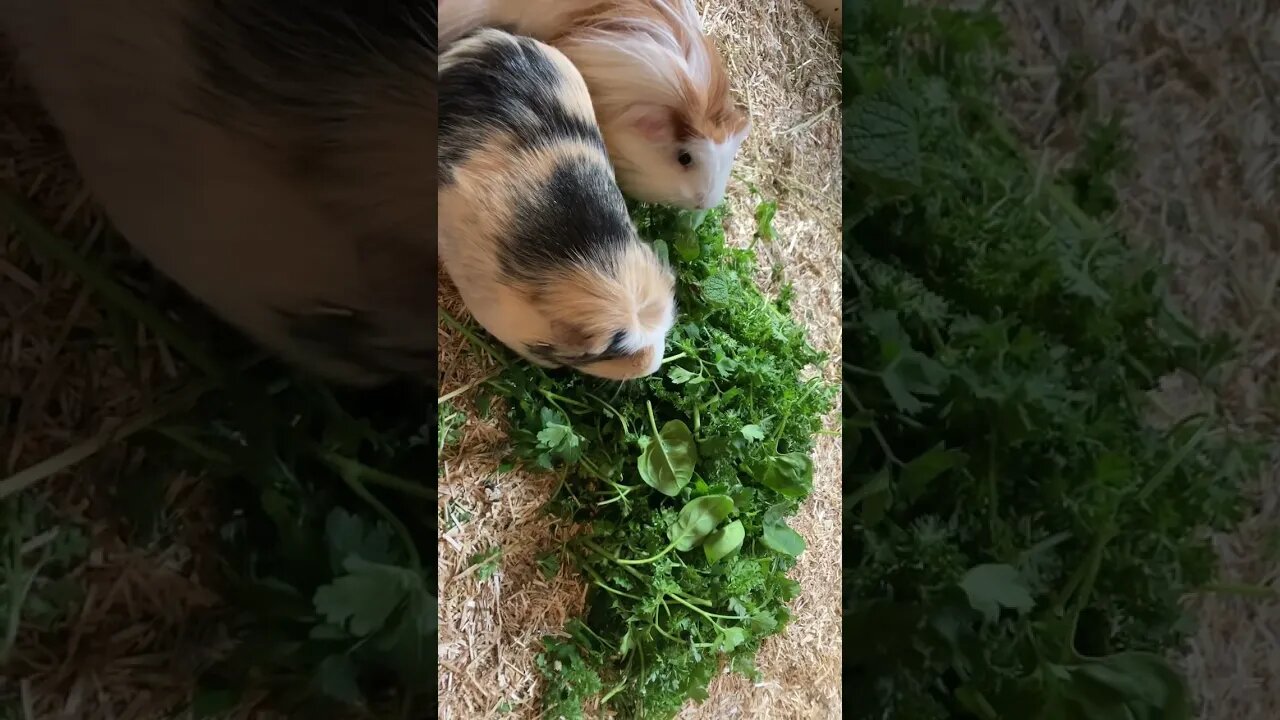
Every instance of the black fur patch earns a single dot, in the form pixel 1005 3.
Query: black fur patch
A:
pixel 291 55
pixel 294 73
pixel 577 216
pixel 615 343
pixel 550 354
pixel 504 87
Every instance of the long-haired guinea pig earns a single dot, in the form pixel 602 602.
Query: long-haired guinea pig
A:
pixel 273 157
pixel 659 87
pixel 533 229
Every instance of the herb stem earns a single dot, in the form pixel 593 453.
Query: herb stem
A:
pixel 593 547
pixel 709 615
pixel 1093 563
pixel 646 561
pixel 626 427
pixel 875 429
pixel 86 449
pixel 374 476
pixel 1166 471
pixel 351 475
pixel 471 337
pixel 600 582
pixel 993 505
pixel 560 398
pixel 612 691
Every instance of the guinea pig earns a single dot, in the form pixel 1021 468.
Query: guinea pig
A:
pixel 273 157
pixel 658 85
pixel 533 228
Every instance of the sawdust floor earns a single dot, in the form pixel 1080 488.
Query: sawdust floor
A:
pixel 785 65
pixel 1198 84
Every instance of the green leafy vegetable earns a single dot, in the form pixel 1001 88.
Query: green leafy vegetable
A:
pixel 684 481
pixel 882 139
pixel 992 587
pixel 724 541
pixel 697 519
pixel 666 463
pixel 487 563
pixel 790 475
pixel 779 537
pixel 362 600
pixel 765 212
pixel 1017 535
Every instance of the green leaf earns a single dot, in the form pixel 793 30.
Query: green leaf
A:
pixel 687 245
pixel 697 519
pixel 336 677
pixel 549 563
pixel 882 138
pixel 790 475
pixel 917 474
pixel 488 562
pixel 873 497
pixel 627 644
pixel 992 587
pixel 752 432
pixel 726 367
pixel 349 535
pixel 559 438
pixel 778 536
pixel 762 623
pixel 717 290
pixel 1143 683
pixel 681 376
pixel 731 638
pixel 362 600
pixel 765 212
pixel 666 463
pixel 724 541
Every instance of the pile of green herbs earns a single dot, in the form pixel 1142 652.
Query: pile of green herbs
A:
pixel 1018 537
pixel 683 482
pixel 323 511
pixel 327 517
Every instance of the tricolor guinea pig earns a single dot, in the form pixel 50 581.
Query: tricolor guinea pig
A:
pixel 533 228
pixel 658 86
pixel 273 157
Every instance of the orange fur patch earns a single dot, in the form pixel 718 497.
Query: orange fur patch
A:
pixel 707 108
pixel 588 306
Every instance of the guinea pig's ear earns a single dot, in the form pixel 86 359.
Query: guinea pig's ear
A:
pixel 655 123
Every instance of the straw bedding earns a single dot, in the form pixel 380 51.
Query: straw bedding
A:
pixel 1198 83
pixel 785 65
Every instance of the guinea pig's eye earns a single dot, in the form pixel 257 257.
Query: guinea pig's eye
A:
pixel 685 158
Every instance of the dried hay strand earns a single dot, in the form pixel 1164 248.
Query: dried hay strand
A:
pixel 1198 84
pixel 146 621
pixel 784 63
